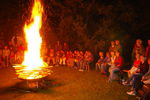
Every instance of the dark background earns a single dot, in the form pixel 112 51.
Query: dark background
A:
pixel 83 24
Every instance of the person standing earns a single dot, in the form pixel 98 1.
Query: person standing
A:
pixel 6 53
pixel 118 46
pixel 147 53
pixel 138 49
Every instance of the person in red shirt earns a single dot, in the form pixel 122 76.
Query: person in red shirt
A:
pixel 118 64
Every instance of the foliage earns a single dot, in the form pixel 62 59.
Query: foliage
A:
pixel 91 24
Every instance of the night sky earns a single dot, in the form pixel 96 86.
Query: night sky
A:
pixel 13 14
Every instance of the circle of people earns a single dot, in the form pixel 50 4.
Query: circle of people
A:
pixel 111 64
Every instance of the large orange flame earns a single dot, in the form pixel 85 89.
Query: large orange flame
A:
pixel 33 67
pixel 32 57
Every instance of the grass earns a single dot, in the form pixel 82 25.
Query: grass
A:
pixel 65 84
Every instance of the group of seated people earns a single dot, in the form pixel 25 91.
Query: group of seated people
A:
pixel 58 55
pixel 76 59
pixel 113 64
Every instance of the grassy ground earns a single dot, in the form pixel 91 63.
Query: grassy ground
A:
pixel 65 84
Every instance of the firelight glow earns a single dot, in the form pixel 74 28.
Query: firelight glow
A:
pixel 33 67
pixel 32 57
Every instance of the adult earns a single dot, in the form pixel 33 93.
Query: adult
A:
pixel 147 53
pixel 118 46
pixel 58 46
pixel 138 49
pixel 143 75
pixel 112 46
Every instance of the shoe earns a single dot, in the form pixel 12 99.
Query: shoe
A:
pixel 131 93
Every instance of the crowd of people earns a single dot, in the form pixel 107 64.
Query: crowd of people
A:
pixel 113 65
pixel 59 55
pixel 110 63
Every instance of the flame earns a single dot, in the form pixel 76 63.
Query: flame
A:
pixel 32 57
pixel 33 67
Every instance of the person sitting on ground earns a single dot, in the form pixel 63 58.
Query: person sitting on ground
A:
pixel 118 63
pixel 106 63
pixel 62 58
pixel 141 75
pixel 133 70
pixel 70 59
pixel 147 53
pixel 100 61
pixel 81 61
pixel 88 58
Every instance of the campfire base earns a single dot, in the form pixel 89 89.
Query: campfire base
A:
pixel 33 85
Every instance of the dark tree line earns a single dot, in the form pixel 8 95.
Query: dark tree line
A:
pixel 84 24
pixel 91 24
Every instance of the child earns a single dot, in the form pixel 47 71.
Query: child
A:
pixel 88 58
pixel 117 67
pixel 51 58
pixel 62 58
pixel 81 60
pixel 70 59
pixel 57 58
pixel 100 61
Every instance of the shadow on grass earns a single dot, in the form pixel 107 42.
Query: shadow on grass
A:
pixel 21 87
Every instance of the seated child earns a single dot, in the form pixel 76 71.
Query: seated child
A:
pixel 106 63
pixel 117 67
pixel 88 58
pixel 100 61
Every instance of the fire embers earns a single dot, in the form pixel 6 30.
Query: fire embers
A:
pixel 36 73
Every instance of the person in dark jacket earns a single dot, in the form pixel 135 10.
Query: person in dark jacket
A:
pixel 137 78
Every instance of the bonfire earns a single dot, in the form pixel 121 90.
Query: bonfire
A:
pixel 33 67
